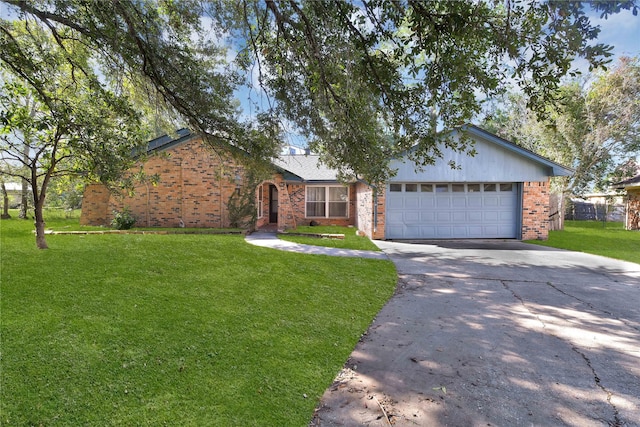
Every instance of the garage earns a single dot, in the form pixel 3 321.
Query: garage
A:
pixel 427 210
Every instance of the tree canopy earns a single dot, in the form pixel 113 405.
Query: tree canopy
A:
pixel 594 127
pixel 55 117
pixel 362 80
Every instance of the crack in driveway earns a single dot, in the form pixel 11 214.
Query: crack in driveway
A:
pixel 616 421
pixel 468 320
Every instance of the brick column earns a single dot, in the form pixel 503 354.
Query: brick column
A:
pixel 535 210
pixel 632 220
pixel 286 216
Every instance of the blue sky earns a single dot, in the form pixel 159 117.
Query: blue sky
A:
pixel 621 30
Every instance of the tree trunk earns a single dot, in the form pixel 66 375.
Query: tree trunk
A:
pixel 5 200
pixel 24 200
pixel 24 194
pixel 41 242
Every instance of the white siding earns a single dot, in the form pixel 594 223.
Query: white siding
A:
pixel 492 163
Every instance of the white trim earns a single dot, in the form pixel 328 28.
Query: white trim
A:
pixel 260 201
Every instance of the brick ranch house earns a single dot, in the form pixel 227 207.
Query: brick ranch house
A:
pixel 501 192
pixel 632 204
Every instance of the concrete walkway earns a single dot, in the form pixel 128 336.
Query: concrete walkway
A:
pixel 270 240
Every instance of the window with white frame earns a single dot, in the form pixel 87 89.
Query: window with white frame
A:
pixel 327 202
pixel 260 195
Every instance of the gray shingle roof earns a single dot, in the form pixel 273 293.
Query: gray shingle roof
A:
pixel 306 167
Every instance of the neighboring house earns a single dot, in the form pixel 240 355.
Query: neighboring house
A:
pixel 501 192
pixel 14 193
pixel 632 188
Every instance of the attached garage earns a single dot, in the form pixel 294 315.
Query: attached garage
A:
pixel 452 210
pixel 500 192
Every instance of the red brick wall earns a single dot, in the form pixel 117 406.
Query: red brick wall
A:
pixel 291 206
pixel 632 220
pixel 95 205
pixel 535 210
pixel 367 222
pixel 194 186
pixel 364 202
pixel 380 229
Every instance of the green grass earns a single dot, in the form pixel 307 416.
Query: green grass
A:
pixel 174 329
pixel 609 239
pixel 351 240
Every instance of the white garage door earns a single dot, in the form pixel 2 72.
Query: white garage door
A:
pixel 451 211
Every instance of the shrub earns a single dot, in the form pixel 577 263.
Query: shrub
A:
pixel 123 220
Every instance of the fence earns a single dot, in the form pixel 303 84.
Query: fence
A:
pixel 587 211
pixel 556 218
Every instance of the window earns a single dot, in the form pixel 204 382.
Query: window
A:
pixel 489 187
pixel 411 188
pixel 506 187
pixel 457 188
pixel 442 188
pixel 338 201
pixel 327 202
pixel 426 188
pixel 260 195
pixel 396 188
pixel 473 188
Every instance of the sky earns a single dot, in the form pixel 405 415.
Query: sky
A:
pixel 621 30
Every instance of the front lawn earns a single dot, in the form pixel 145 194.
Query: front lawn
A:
pixel 607 239
pixel 174 329
pixel 350 241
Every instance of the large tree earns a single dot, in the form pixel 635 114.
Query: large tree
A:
pixel 55 117
pixel 593 126
pixel 344 72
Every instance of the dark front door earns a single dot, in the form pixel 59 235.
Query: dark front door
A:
pixel 273 204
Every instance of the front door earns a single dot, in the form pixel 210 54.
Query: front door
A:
pixel 273 204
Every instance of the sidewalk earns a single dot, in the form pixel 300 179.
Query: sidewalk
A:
pixel 270 240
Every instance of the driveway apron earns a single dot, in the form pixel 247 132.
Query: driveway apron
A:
pixel 496 333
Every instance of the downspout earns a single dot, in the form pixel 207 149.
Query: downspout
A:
pixel 375 208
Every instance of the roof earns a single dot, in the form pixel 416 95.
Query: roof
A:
pixel 294 167
pixel 305 168
pixel 167 141
pixel 631 182
pixel 556 169
pixel 308 168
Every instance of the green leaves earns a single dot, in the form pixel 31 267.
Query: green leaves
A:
pixel 362 80
pixel 348 72
pixel 593 128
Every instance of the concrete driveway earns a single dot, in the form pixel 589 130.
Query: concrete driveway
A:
pixel 496 333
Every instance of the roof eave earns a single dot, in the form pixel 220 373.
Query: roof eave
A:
pixel 555 169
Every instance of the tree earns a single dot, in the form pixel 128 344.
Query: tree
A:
pixel 55 117
pixel 594 127
pixel 344 72
pixel 5 200
pixel 348 72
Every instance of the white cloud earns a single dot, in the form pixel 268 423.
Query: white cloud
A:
pixel 621 30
